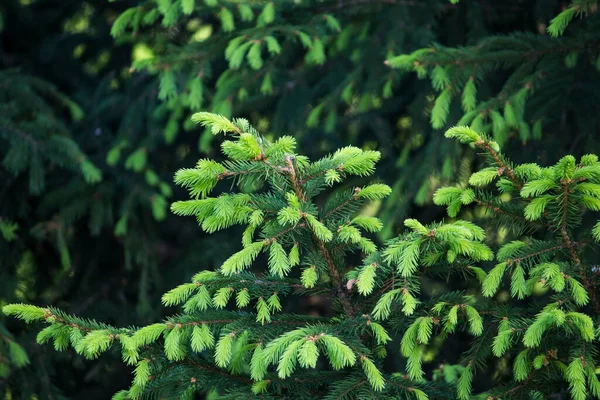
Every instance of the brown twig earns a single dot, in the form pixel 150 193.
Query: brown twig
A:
pixel 331 267
pixel 505 169
pixel 498 209
pixel 537 253
pixel 324 217
pixel 587 283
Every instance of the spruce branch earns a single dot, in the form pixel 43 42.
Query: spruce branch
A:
pixel 269 351
pixel 523 385
pixel 331 267
pixel 498 210
pixel 505 168
pixel 587 282
pixel 517 260
pixel 340 206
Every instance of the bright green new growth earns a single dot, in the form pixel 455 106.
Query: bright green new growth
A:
pixel 234 335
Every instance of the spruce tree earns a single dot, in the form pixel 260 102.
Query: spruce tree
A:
pixel 112 240
pixel 235 336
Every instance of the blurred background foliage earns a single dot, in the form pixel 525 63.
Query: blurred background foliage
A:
pixel 95 99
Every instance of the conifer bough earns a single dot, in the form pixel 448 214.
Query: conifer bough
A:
pixel 233 335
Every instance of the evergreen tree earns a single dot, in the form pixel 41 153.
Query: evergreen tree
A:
pixel 100 248
pixel 96 248
pixel 235 336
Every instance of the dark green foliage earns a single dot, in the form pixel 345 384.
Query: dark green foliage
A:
pixel 77 228
pixel 319 70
